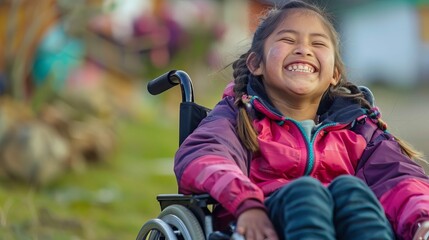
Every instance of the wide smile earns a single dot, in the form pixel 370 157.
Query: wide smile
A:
pixel 301 67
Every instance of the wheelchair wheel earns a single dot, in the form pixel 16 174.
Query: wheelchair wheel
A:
pixel 154 228
pixel 183 222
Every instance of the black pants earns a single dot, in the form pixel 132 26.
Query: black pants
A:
pixel 346 209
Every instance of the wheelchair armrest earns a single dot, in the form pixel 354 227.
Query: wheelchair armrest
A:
pixel 198 204
pixel 201 200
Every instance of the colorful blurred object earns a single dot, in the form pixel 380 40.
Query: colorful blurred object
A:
pixel 57 56
pixel 159 31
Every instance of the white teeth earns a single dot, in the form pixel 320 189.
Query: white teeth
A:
pixel 299 67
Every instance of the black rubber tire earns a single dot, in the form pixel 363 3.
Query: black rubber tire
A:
pixel 181 219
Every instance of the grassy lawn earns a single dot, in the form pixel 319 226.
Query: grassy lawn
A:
pixel 107 201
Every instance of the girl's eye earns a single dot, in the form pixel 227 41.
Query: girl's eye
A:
pixel 319 44
pixel 288 40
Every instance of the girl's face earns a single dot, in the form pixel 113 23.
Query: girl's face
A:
pixel 298 60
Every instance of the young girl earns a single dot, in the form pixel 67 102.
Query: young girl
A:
pixel 296 151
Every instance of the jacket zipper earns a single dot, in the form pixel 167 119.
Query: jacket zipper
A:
pixel 310 165
pixel 309 144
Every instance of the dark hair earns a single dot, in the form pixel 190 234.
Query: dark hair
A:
pixel 267 25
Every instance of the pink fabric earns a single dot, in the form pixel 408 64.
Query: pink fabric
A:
pixel 229 90
pixel 405 205
pixel 336 153
pixel 226 184
pixel 206 172
pixel 260 107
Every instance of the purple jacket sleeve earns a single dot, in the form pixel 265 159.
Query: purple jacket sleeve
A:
pixel 213 160
pixel 398 182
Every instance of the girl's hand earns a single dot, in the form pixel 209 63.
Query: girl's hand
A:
pixel 254 224
pixel 422 232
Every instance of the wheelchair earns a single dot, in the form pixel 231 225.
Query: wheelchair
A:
pixel 189 217
pixel 186 217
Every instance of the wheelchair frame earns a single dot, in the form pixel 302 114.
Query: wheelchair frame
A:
pixel 182 216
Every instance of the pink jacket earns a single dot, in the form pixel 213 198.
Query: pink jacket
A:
pixel 213 160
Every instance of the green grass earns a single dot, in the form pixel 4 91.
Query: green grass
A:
pixel 106 201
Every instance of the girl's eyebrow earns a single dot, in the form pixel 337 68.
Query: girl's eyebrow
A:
pixel 282 31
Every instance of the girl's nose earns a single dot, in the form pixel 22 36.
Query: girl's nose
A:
pixel 303 50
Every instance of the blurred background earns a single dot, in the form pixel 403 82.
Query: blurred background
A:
pixel 84 149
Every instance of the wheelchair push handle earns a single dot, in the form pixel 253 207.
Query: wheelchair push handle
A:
pixel 171 79
pixel 161 83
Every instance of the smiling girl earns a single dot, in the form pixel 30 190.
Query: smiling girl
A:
pixel 296 151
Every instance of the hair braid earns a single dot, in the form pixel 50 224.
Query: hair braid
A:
pixel 240 74
pixel 245 129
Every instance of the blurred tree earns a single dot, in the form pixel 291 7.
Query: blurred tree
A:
pixel 23 25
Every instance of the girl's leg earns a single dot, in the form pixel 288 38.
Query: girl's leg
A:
pixel 358 213
pixel 303 209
